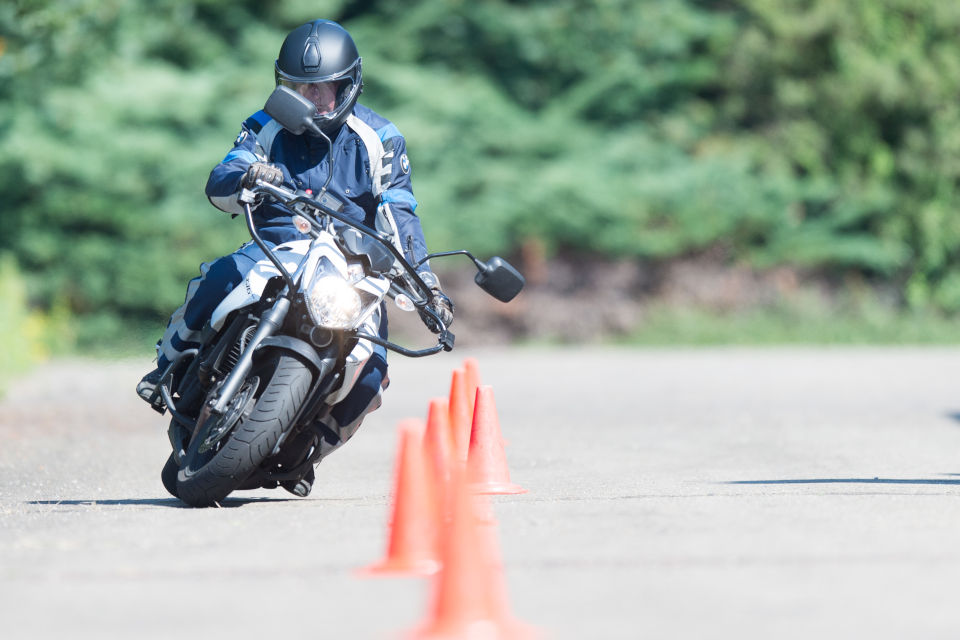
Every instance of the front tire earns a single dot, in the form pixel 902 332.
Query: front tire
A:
pixel 207 479
pixel 168 476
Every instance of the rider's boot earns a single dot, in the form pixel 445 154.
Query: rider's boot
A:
pixel 147 387
pixel 300 488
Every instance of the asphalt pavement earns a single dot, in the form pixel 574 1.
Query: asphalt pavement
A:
pixel 703 493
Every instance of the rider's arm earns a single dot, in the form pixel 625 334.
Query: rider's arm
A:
pixel 399 200
pixel 224 181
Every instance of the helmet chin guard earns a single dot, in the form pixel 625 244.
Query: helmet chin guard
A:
pixel 322 52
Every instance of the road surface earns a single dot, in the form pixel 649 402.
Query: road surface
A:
pixel 708 493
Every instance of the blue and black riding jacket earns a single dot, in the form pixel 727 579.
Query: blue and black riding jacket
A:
pixel 371 176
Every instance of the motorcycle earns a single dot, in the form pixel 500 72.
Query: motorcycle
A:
pixel 290 341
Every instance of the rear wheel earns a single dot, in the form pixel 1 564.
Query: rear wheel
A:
pixel 220 457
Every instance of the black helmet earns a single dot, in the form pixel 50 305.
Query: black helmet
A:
pixel 320 61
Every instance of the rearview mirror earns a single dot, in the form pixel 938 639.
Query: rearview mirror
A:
pixel 293 111
pixel 499 278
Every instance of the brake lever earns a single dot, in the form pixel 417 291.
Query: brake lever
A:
pixel 444 343
pixel 446 340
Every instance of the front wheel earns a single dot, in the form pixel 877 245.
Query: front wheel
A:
pixel 210 474
pixel 168 476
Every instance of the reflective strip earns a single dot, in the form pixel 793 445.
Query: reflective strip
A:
pixel 178 338
pixel 261 118
pixel 227 203
pixel 265 139
pixel 375 151
pixel 400 195
pixel 379 175
pixel 388 131
pixel 177 342
pixel 240 154
pixel 385 223
pixel 168 352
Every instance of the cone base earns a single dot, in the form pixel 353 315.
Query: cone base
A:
pixel 496 488
pixel 400 568
pixel 509 629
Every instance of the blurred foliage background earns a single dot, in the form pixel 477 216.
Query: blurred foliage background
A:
pixel 815 134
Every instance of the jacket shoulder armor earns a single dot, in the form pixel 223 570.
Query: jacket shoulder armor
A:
pixel 384 128
pixel 257 121
pixel 265 130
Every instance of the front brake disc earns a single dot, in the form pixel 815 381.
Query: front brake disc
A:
pixel 220 425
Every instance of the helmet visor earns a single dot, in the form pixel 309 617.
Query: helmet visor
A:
pixel 334 94
pixel 325 96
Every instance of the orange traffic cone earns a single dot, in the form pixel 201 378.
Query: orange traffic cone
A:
pixel 414 523
pixel 438 441
pixel 469 594
pixel 472 369
pixel 460 416
pixel 439 452
pixel 489 541
pixel 487 463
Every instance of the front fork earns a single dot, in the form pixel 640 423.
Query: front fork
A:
pixel 269 323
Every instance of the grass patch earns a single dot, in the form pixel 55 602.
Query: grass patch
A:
pixel 26 336
pixel 106 336
pixel 870 324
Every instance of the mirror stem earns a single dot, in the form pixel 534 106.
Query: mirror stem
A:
pixel 314 129
pixel 479 263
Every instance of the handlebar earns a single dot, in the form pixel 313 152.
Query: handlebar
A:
pixel 290 199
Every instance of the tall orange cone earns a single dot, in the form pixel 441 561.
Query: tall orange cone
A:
pixel 489 541
pixel 472 369
pixel 438 441
pixel 414 523
pixel 469 593
pixel 487 463
pixel 460 416
pixel 438 450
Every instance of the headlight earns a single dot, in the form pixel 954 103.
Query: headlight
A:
pixel 333 302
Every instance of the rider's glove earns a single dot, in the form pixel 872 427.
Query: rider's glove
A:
pixel 261 171
pixel 439 303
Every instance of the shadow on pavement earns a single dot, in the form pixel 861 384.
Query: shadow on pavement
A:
pixel 852 481
pixel 229 503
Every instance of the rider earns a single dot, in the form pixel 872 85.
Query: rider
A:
pixel 320 61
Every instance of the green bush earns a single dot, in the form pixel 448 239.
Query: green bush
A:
pixel 818 134
pixel 26 337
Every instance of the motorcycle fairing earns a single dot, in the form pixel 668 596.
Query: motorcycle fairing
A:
pixel 251 287
pixel 292 256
